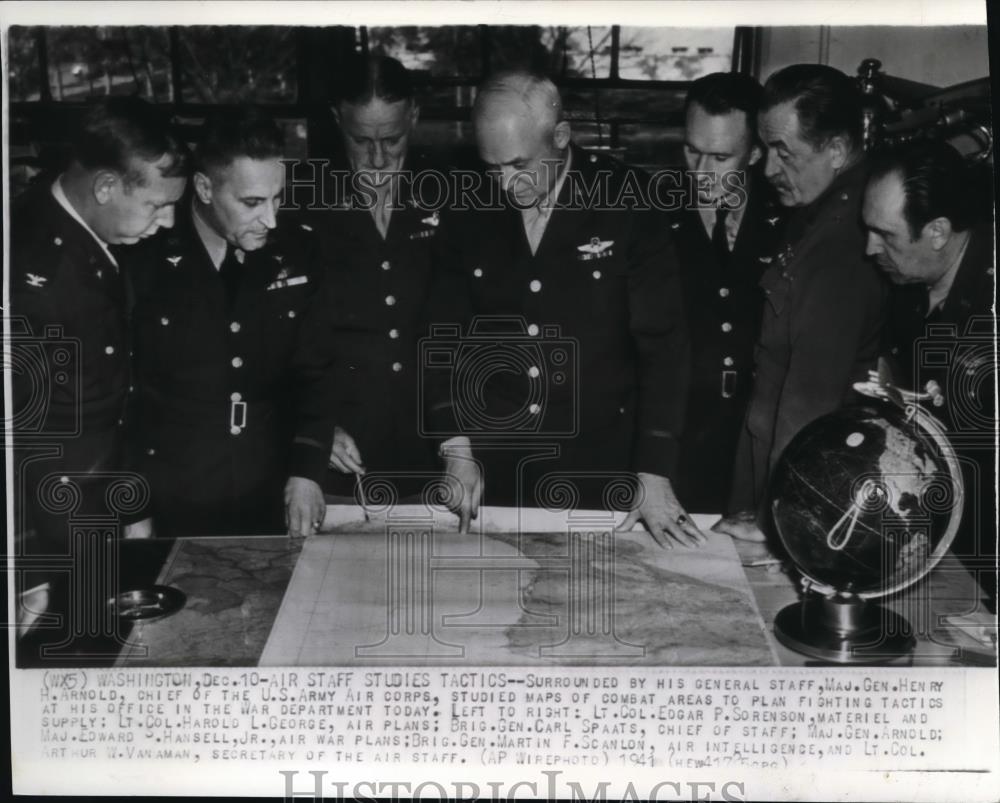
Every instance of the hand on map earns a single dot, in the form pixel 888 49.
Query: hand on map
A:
pixel 305 506
pixel 463 479
pixel 139 529
pixel 662 514
pixel 742 525
pixel 345 456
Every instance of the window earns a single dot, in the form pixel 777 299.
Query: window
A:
pixel 623 87
pixel 674 54
pixel 237 64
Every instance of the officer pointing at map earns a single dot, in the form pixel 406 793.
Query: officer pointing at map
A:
pixel 598 279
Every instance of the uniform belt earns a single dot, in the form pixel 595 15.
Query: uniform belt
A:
pixel 238 412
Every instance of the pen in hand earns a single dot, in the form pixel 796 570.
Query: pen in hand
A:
pixel 360 495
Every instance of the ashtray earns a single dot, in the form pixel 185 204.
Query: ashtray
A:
pixel 147 603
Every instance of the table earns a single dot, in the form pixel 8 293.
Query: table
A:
pixel 235 587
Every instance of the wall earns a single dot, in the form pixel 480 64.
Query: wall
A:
pixel 940 56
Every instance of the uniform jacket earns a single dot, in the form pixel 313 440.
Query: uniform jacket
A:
pixel 375 309
pixel 71 357
pixel 820 332
pixel 954 346
pixel 583 344
pixel 215 399
pixel 723 304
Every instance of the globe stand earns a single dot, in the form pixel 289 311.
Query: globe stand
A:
pixel 843 629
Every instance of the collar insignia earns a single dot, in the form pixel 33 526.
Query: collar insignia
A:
pixel 433 220
pixel 34 280
pixel 174 260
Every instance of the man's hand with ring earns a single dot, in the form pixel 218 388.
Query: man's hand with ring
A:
pixel 305 506
pixel 662 514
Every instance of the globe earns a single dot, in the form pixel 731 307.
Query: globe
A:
pixel 867 499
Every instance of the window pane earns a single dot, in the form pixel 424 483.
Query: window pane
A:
pixel 98 61
pixel 235 64
pixel 583 52
pixel 674 54
pixel 446 50
pixel 22 58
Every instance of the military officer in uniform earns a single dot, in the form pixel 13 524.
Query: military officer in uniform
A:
pixel 931 236
pixel 724 240
pixel 218 303
pixel 68 311
pixel 823 310
pixel 584 287
pixel 383 243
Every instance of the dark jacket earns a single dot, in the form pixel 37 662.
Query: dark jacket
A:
pixel 581 347
pixel 216 402
pixel 954 346
pixel 820 333
pixel 375 302
pixel 70 354
pixel 723 302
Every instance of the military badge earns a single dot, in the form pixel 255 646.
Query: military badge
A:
pixel 595 249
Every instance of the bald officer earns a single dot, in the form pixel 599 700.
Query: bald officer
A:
pixel 577 364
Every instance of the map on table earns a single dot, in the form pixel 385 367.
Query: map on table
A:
pixel 403 592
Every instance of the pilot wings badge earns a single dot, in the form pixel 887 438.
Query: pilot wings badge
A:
pixel 174 260
pixel 595 249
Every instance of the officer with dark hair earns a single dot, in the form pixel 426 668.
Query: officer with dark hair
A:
pixel 218 303
pixel 383 241
pixel 70 347
pixel 724 238
pixel 823 311
pixel 929 232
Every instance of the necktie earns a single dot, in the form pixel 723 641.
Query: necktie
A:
pixel 720 240
pixel 230 272
pixel 534 226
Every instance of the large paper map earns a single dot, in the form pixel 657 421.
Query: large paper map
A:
pixel 405 591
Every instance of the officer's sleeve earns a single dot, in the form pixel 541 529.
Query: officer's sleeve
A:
pixel 836 335
pixel 659 331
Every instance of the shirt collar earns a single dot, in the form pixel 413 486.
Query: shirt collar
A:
pixel 59 194
pixel 937 293
pixel 215 245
